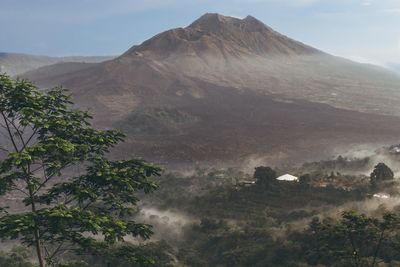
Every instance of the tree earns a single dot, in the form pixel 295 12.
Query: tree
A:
pixel 17 257
pixel 305 179
pixel 380 174
pixel 354 240
pixel 264 175
pixel 46 141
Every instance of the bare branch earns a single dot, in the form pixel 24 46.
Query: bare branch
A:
pixel 4 149
pixel 49 177
pixel 11 136
pixel 30 138
pixel 20 190
pixel 56 251
pixel 18 132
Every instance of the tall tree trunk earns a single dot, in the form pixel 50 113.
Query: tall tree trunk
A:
pixel 38 249
pixel 36 233
pixel 27 173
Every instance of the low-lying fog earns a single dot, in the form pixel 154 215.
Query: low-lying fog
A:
pixel 172 224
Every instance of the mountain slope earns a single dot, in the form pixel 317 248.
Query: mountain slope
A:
pixel 15 64
pixel 223 89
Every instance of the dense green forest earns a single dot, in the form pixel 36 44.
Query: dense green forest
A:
pixel 275 224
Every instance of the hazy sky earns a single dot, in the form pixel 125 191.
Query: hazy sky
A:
pixel 363 30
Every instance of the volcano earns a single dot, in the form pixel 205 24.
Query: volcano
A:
pixel 223 90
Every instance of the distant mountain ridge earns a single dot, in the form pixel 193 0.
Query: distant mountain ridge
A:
pixel 15 63
pixel 226 89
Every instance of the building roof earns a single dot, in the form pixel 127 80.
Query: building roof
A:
pixel 288 177
pixel 381 195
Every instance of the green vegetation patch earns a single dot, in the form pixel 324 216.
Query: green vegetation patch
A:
pixel 156 121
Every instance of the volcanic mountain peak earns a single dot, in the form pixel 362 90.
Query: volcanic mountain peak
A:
pixel 216 23
pixel 220 36
pixel 213 21
pixel 251 18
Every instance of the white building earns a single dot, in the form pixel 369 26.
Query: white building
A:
pixel 288 178
pixel 381 195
